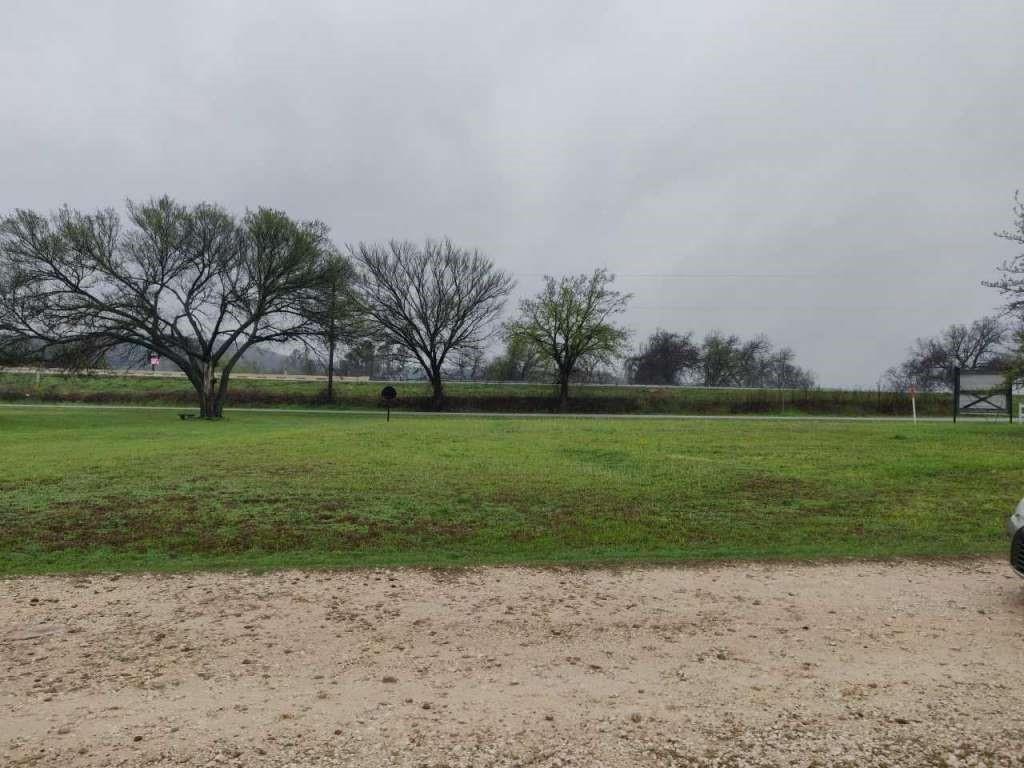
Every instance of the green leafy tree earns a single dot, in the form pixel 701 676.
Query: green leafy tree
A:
pixel 571 320
pixel 335 312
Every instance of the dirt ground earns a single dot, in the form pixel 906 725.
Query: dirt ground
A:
pixel 862 664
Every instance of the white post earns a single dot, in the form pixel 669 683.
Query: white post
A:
pixel 913 407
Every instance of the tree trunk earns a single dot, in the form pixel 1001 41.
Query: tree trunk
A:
pixel 330 372
pixel 563 390
pixel 210 406
pixel 437 400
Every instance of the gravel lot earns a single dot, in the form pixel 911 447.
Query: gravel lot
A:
pixel 858 664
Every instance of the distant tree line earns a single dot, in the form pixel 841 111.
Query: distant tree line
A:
pixel 985 343
pixel 718 360
pixel 209 292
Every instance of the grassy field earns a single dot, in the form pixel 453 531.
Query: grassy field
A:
pixel 503 398
pixel 134 489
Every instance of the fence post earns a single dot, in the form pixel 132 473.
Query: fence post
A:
pixel 956 391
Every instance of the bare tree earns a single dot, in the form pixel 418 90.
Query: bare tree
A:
pixel 751 363
pixel 432 301
pixel 570 320
pixel 930 361
pixel 975 345
pixel 782 371
pixel 193 285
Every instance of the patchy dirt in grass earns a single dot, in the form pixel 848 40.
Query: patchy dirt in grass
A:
pixel 865 664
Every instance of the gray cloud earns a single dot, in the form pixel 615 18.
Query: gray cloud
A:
pixel 845 162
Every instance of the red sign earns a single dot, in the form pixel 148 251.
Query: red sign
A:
pixel 154 360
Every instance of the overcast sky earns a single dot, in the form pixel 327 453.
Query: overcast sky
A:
pixel 829 173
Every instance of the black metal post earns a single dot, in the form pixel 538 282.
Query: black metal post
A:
pixel 956 391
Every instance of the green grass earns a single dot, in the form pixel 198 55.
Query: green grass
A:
pixel 131 489
pixel 473 397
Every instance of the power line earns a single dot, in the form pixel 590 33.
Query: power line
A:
pixel 779 308
pixel 882 274
pixel 786 307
